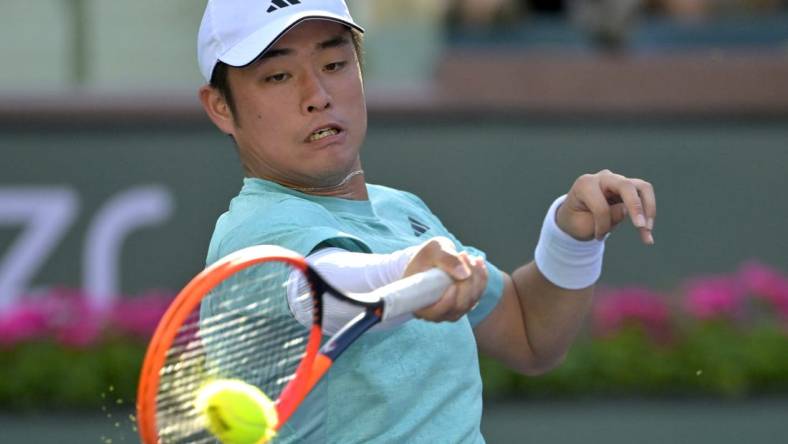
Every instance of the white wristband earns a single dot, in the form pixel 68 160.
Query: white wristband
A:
pixel 563 260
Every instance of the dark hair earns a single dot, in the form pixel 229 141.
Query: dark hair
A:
pixel 220 81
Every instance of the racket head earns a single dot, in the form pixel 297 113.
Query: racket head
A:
pixel 231 321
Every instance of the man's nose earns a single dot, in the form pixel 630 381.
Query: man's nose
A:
pixel 316 97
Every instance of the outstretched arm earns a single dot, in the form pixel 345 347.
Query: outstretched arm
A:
pixel 542 308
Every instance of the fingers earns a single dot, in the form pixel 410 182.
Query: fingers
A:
pixel 590 195
pixel 625 190
pixel 618 212
pixel 462 296
pixel 609 198
pixel 470 275
pixel 617 187
pixel 649 204
pixel 438 252
pixel 649 199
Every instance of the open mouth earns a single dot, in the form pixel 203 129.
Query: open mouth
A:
pixel 322 133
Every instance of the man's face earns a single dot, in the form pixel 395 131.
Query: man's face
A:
pixel 300 113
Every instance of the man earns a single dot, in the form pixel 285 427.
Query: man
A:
pixel 285 83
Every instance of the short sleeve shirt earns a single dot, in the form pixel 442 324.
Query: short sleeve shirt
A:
pixel 416 383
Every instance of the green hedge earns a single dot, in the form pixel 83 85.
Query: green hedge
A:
pixel 45 374
pixel 716 359
pixel 722 336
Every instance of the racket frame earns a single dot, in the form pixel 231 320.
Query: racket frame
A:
pixel 316 361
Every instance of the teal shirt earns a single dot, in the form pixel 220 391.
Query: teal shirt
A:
pixel 417 383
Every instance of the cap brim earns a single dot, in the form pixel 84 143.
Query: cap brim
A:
pixel 252 47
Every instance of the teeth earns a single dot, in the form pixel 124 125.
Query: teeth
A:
pixel 320 134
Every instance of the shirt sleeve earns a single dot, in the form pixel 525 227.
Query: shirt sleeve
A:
pixel 300 227
pixel 494 290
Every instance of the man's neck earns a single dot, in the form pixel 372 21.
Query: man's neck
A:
pixel 352 187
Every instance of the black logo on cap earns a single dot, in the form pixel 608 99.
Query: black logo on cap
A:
pixel 277 4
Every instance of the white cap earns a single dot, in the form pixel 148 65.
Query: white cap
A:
pixel 237 32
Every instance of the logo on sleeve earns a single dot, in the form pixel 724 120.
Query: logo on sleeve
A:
pixel 277 4
pixel 419 228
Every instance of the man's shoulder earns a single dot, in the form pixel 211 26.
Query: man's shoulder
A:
pixel 384 194
pixel 258 216
pixel 271 203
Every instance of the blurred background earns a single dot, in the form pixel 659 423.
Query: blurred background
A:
pixel 112 179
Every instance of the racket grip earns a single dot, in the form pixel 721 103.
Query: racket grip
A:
pixel 413 292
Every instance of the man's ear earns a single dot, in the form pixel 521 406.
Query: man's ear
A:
pixel 215 105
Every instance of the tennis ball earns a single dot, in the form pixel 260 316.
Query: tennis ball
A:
pixel 237 412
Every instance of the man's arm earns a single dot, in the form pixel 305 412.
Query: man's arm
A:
pixel 536 321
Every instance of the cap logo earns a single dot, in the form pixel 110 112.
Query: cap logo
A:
pixel 277 4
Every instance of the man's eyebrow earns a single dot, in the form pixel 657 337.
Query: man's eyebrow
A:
pixel 338 40
pixel 333 42
pixel 279 52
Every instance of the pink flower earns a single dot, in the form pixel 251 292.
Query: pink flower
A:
pixel 74 322
pixel 67 316
pixel 718 297
pixel 22 323
pixel 767 284
pixel 632 306
pixel 139 316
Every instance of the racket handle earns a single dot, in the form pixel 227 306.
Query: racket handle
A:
pixel 413 292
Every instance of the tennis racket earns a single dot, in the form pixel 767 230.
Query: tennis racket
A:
pixel 233 321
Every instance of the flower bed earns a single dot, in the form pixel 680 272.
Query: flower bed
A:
pixel 720 336
pixel 57 352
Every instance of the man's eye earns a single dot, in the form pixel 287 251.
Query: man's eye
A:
pixel 335 66
pixel 277 78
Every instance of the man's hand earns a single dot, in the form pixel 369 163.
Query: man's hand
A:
pixel 469 273
pixel 596 203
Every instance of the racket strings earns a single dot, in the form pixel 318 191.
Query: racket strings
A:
pixel 243 353
pixel 243 330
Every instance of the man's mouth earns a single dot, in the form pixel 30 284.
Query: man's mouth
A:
pixel 322 134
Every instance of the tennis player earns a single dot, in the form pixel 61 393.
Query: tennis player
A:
pixel 285 82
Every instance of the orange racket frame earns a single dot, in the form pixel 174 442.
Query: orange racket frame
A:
pixel 310 370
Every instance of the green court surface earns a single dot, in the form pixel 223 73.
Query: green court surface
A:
pixel 563 422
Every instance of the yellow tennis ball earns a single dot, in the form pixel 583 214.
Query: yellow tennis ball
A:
pixel 237 412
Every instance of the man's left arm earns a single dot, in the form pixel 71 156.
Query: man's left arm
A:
pixel 541 311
